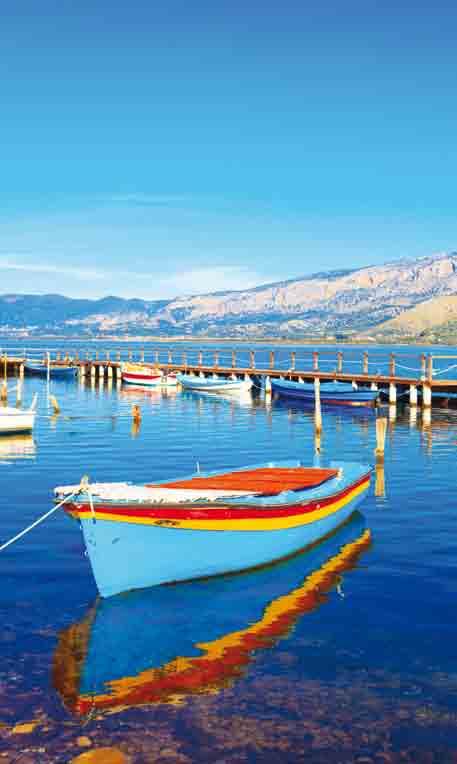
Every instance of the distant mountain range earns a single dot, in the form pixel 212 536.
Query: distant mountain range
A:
pixel 371 300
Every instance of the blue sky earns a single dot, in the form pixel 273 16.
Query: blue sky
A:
pixel 153 149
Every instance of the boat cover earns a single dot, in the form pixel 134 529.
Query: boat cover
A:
pixel 263 480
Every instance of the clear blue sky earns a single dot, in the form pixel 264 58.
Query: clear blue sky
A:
pixel 151 149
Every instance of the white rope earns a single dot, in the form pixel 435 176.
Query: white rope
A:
pixel 443 371
pixel 37 522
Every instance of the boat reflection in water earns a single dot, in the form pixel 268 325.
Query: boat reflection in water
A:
pixel 20 446
pixel 163 644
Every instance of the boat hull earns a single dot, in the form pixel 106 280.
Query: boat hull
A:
pixel 16 423
pixel 144 380
pixel 209 385
pixel 56 372
pixel 139 551
pixel 332 394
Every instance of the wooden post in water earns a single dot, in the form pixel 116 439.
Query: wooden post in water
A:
pixel 184 359
pixel 142 355
pixel 292 360
pixel 315 360
pixel 54 403
pixel 339 366
pixel 118 373
pixel 430 368
pixel 58 355
pixel 19 393
pixel 156 357
pixel 252 359
pixel 365 363
pixel 233 359
pixel 317 416
pixel 423 365
pixel 392 365
pixel 267 385
pixel 5 366
pixel 4 392
pixel 200 358
pixel 426 396
pixel 107 355
pixel 118 356
pixel 381 429
pixel 109 371
pixel 216 359
pixel 272 359
pixel 392 393
pixel 129 354
pixel 21 371
pixel 96 355
pixel 170 357
pixel 412 395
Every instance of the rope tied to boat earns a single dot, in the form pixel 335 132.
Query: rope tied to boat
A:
pixel 82 487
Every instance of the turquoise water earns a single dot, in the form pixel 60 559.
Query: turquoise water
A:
pixel 360 668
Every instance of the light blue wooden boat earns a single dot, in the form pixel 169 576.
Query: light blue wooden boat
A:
pixel 210 523
pixel 331 393
pixel 213 384
pixel 155 645
pixel 55 371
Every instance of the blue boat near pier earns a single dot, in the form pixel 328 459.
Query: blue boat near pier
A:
pixel 331 393
pixel 56 371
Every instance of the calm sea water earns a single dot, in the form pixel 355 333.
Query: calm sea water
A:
pixel 346 653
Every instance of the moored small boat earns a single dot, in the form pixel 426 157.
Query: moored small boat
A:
pixel 331 393
pixel 214 384
pixel 56 371
pixel 165 644
pixel 13 420
pixel 210 523
pixel 147 376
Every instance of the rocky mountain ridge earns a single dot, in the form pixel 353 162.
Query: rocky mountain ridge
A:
pixel 344 301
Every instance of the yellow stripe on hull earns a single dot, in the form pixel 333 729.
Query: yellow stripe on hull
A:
pixel 245 524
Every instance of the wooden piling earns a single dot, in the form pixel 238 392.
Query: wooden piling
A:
pixel 4 392
pixel 315 360
pixel 142 355
pixel 380 481
pixel 118 373
pixel 365 363
pixel 339 363
pixel 200 358
pixel 426 396
pixel 252 359
pixel 54 403
pixel 423 365
pixel 317 406
pixel 412 395
pixel 272 359
pixel 109 371
pixel 430 368
pixel 21 371
pixel 233 359
pixel 381 429
pixel 292 360
pixel 392 365
pixel 392 393
pixel 19 393
pixel 267 386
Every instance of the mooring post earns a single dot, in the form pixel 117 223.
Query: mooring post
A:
pixel 118 373
pixel 392 393
pixel 101 372
pixel 96 355
pixel 426 395
pixel 423 365
pixel 19 393
pixel 118 356
pixel 315 360
pixel 170 357
pixel 4 392
pixel 184 359
pixel 58 355
pixel 76 357
pixel 412 395
pixel 216 359
pixel 21 371
pixel 272 359
pixel 339 362
pixel 142 355
pixel 233 359
pixel 381 429
pixel 430 368
pixel 292 360
pixel 200 358
pixel 93 370
pixel 129 354
pixel 365 363
pixel 317 405
pixel 107 355
pixel 392 365
pixel 252 359
pixel 82 370
pixel 109 371
pixel 267 385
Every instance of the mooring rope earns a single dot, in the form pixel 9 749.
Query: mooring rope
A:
pixel 40 520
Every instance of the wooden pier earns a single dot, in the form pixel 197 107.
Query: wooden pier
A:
pixel 419 382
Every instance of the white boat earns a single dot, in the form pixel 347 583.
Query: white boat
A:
pixel 147 376
pixel 17 420
pixel 214 384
